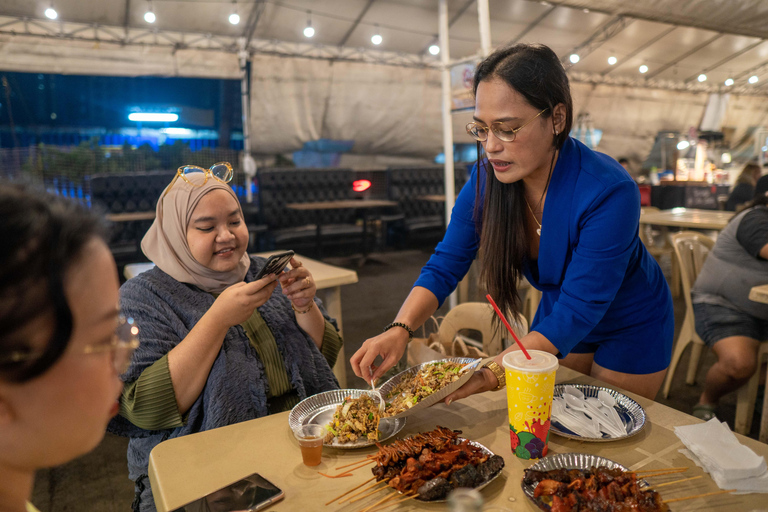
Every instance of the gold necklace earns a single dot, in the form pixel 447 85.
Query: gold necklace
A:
pixel 538 231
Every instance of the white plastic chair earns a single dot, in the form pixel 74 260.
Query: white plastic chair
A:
pixel 478 316
pixel 647 236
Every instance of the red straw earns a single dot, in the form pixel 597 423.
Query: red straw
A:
pixel 498 312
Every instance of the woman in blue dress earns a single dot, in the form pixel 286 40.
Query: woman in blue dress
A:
pixel 542 205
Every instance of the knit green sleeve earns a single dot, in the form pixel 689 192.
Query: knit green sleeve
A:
pixel 150 401
pixel 332 343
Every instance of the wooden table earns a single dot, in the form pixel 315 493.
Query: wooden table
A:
pixel 187 468
pixel 760 294
pixel 328 278
pixel 127 217
pixel 432 198
pixel 360 206
pixel 688 218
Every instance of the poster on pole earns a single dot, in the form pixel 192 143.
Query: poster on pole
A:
pixel 461 87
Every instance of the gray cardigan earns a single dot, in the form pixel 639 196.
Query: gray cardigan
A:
pixel 165 310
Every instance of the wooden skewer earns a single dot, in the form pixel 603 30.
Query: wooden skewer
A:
pixel 365 461
pixel 382 500
pixel 658 470
pixel 671 472
pixel 407 496
pixel 700 496
pixel 369 494
pixel 349 491
pixel 334 476
pixel 357 467
pixel 675 482
pixel 361 491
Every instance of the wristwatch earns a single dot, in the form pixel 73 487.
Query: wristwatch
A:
pixel 498 372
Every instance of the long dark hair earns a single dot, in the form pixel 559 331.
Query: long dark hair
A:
pixel 534 71
pixel 42 235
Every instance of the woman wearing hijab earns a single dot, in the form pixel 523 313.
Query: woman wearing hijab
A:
pixel 218 346
pixel 62 345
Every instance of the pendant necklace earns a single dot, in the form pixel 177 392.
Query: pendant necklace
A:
pixel 538 230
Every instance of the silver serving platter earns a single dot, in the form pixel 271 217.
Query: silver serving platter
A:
pixel 630 412
pixel 482 484
pixel 318 409
pixel 387 387
pixel 581 461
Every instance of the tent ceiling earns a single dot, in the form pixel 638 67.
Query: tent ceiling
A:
pixel 676 39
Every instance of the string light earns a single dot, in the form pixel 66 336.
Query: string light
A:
pixel 309 31
pixel 753 79
pixel 612 60
pixel 702 77
pixel 51 13
pixel 376 38
pixel 234 18
pixel 643 69
pixel 149 16
pixel 434 49
pixel 574 58
pixel 729 82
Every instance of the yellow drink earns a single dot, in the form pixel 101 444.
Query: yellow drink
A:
pixel 530 386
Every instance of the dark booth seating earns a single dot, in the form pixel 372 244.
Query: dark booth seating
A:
pixel 297 229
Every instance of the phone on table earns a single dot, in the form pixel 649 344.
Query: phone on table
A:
pixel 249 494
pixel 275 264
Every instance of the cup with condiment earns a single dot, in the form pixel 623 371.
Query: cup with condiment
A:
pixel 310 438
pixel 530 389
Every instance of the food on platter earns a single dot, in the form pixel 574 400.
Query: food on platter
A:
pixel 595 489
pixel 433 463
pixel 431 378
pixel 354 418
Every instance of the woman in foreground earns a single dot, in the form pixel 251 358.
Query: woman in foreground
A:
pixel 542 205
pixel 62 346
pixel 218 346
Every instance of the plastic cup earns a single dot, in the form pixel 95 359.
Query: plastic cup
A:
pixel 530 389
pixel 310 438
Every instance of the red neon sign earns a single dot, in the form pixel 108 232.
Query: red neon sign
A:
pixel 361 185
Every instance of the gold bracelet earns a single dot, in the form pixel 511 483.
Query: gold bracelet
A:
pixel 309 308
pixel 498 372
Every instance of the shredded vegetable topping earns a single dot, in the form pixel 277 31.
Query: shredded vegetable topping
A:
pixel 430 379
pixel 355 418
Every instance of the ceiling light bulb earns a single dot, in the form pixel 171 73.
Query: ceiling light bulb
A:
pixel 574 58
pixel 376 39
pixel 729 82
pixel 702 77
pixel 434 49
pixel 234 18
pixel 612 60
pixel 309 32
pixel 149 17
pixel 643 68
pixel 51 13
pixel 753 79
pixel 683 144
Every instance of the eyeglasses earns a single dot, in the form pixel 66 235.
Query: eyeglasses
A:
pixel 221 171
pixel 122 345
pixel 500 129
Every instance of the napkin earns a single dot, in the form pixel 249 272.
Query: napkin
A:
pixel 714 448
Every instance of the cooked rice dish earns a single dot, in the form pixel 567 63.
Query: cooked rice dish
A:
pixel 431 378
pixel 354 419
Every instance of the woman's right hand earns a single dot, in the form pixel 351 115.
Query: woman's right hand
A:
pixel 237 303
pixel 390 345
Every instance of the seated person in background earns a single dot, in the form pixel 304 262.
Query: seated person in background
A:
pixel 60 355
pixel 745 187
pixel 726 319
pixel 218 347
pixel 625 164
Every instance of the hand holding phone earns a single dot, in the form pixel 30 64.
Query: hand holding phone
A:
pixel 249 494
pixel 275 264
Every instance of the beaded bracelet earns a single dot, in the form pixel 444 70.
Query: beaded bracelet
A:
pixel 400 324
pixel 309 308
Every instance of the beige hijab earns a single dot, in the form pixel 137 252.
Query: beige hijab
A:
pixel 166 245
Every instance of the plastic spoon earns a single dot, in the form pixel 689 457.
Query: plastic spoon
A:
pixel 610 402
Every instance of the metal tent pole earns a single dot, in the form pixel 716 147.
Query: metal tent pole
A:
pixel 484 19
pixel 249 164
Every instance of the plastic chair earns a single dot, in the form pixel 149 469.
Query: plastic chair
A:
pixel 647 236
pixel 691 249
pixel 478 316
pixel 747 395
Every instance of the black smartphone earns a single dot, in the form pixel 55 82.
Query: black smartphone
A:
pixel 275 264
pixel 249 494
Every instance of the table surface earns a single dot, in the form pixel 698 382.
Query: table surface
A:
pixel 432 198
pixel 126 217
pixel 184 469
pixel 325 276
pixel 688 218
pixel 344 204
pixel 759 293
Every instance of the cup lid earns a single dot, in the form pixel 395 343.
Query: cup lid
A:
pixel 540 361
